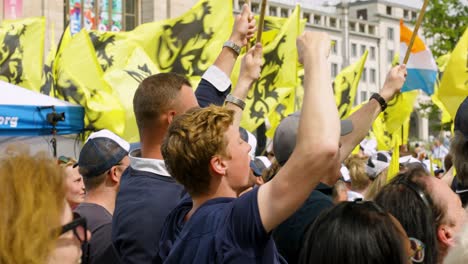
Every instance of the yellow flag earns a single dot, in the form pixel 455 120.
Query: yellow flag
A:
pixel 442 62
pixel 345 86
pixel 394 167
pixel 79 80
pixel 22 51
pixel 125 81
pixel 453 87
pixel 399 109
pixel 189 44
pixel 278 77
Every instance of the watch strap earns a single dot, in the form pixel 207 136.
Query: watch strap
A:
pixel 380 100
pixel 233 46
pixel 234 100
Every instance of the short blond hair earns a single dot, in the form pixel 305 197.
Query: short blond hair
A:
pixel 31 204
pixel 192 140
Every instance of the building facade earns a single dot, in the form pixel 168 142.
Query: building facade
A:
pixel 357 26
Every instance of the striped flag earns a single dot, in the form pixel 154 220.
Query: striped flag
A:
pixel 421 66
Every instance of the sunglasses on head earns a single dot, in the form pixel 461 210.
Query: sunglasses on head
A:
pixel 418 250
pixel 80 231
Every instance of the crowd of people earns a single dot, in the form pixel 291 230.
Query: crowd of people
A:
pixel 194 191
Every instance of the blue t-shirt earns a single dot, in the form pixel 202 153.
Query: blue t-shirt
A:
pixel 222 230
pixel 143 202
pixel 289 235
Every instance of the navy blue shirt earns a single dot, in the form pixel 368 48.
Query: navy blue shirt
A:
pixel 143 202
pixel 289 234
pixel 222 230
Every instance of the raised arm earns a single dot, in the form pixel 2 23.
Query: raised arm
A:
pixel 364 117
pixel 215 84
pixel 316 152
pixel 249 72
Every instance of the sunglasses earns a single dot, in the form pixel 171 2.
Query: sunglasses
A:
pixel 80 231
pixel 63 160
pixel 418 249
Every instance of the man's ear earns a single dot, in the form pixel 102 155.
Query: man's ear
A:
pixel 170 116
pixel 446 236
pixel 114 174
pixel 218 165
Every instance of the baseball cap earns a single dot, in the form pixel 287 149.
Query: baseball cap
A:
pixel 249 138
pixel 284 140
pixel 461 118
pixel 101 151
pixel 374 167
pixel 259 165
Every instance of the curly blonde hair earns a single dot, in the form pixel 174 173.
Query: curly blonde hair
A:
pixel 31 205
pixel 192 140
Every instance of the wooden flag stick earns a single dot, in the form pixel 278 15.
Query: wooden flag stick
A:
pixel 415 31
pixel 247 46
pixel 261 21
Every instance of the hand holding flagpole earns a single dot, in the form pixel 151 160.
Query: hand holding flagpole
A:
pixel 415 31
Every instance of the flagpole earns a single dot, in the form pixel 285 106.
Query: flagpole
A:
pixel 415 31
pixel 261 21
pixel 247 46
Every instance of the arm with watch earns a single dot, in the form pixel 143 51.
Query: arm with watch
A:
pixel 216 83
pixel 363 118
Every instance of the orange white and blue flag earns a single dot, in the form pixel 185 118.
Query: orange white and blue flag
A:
pixel 421 66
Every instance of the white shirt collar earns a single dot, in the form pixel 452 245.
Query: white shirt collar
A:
pixel 155 166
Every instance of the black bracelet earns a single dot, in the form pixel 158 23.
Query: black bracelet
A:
pixel 380 100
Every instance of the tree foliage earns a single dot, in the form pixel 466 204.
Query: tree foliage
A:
pixel 444 22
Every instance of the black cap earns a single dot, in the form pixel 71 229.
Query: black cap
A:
pixel 102 150
pixel 461 119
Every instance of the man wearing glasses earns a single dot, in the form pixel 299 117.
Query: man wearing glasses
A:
pixel 103 159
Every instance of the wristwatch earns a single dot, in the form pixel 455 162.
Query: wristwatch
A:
pixel 380 100
pixel 233 46
pixel 234 100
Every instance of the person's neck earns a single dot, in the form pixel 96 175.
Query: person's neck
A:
pixel 198 201
pixel 104 197
pixel 151 146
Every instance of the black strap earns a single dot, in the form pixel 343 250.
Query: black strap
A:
pixel 380 100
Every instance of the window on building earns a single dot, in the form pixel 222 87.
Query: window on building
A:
pixel 372 30
pixel 390 33
pixel 364 75
pixel 334 48
pixel 273 11
pixel 352 26
pixel 334 69
pixel 317 19
pixel 372 53
pixel 361 14
pixel 362 28
pixel 284 12
pixel 405 14
pixel 306 16
pixel 255 7
pixel 333 22
pixel 389 10
pixel 363 49
pixel 363 96
pixel 353 49
pixel 413 15
pixel 372 75
pixel 390 55
pixel 104 15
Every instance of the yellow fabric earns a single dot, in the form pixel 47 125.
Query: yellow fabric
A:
pixel 278 77
pixel 442 62
pixel 345 86
pixel 79 80
pixel 394 166
pixel 453 87
pixel 22 51
pixel 125 81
